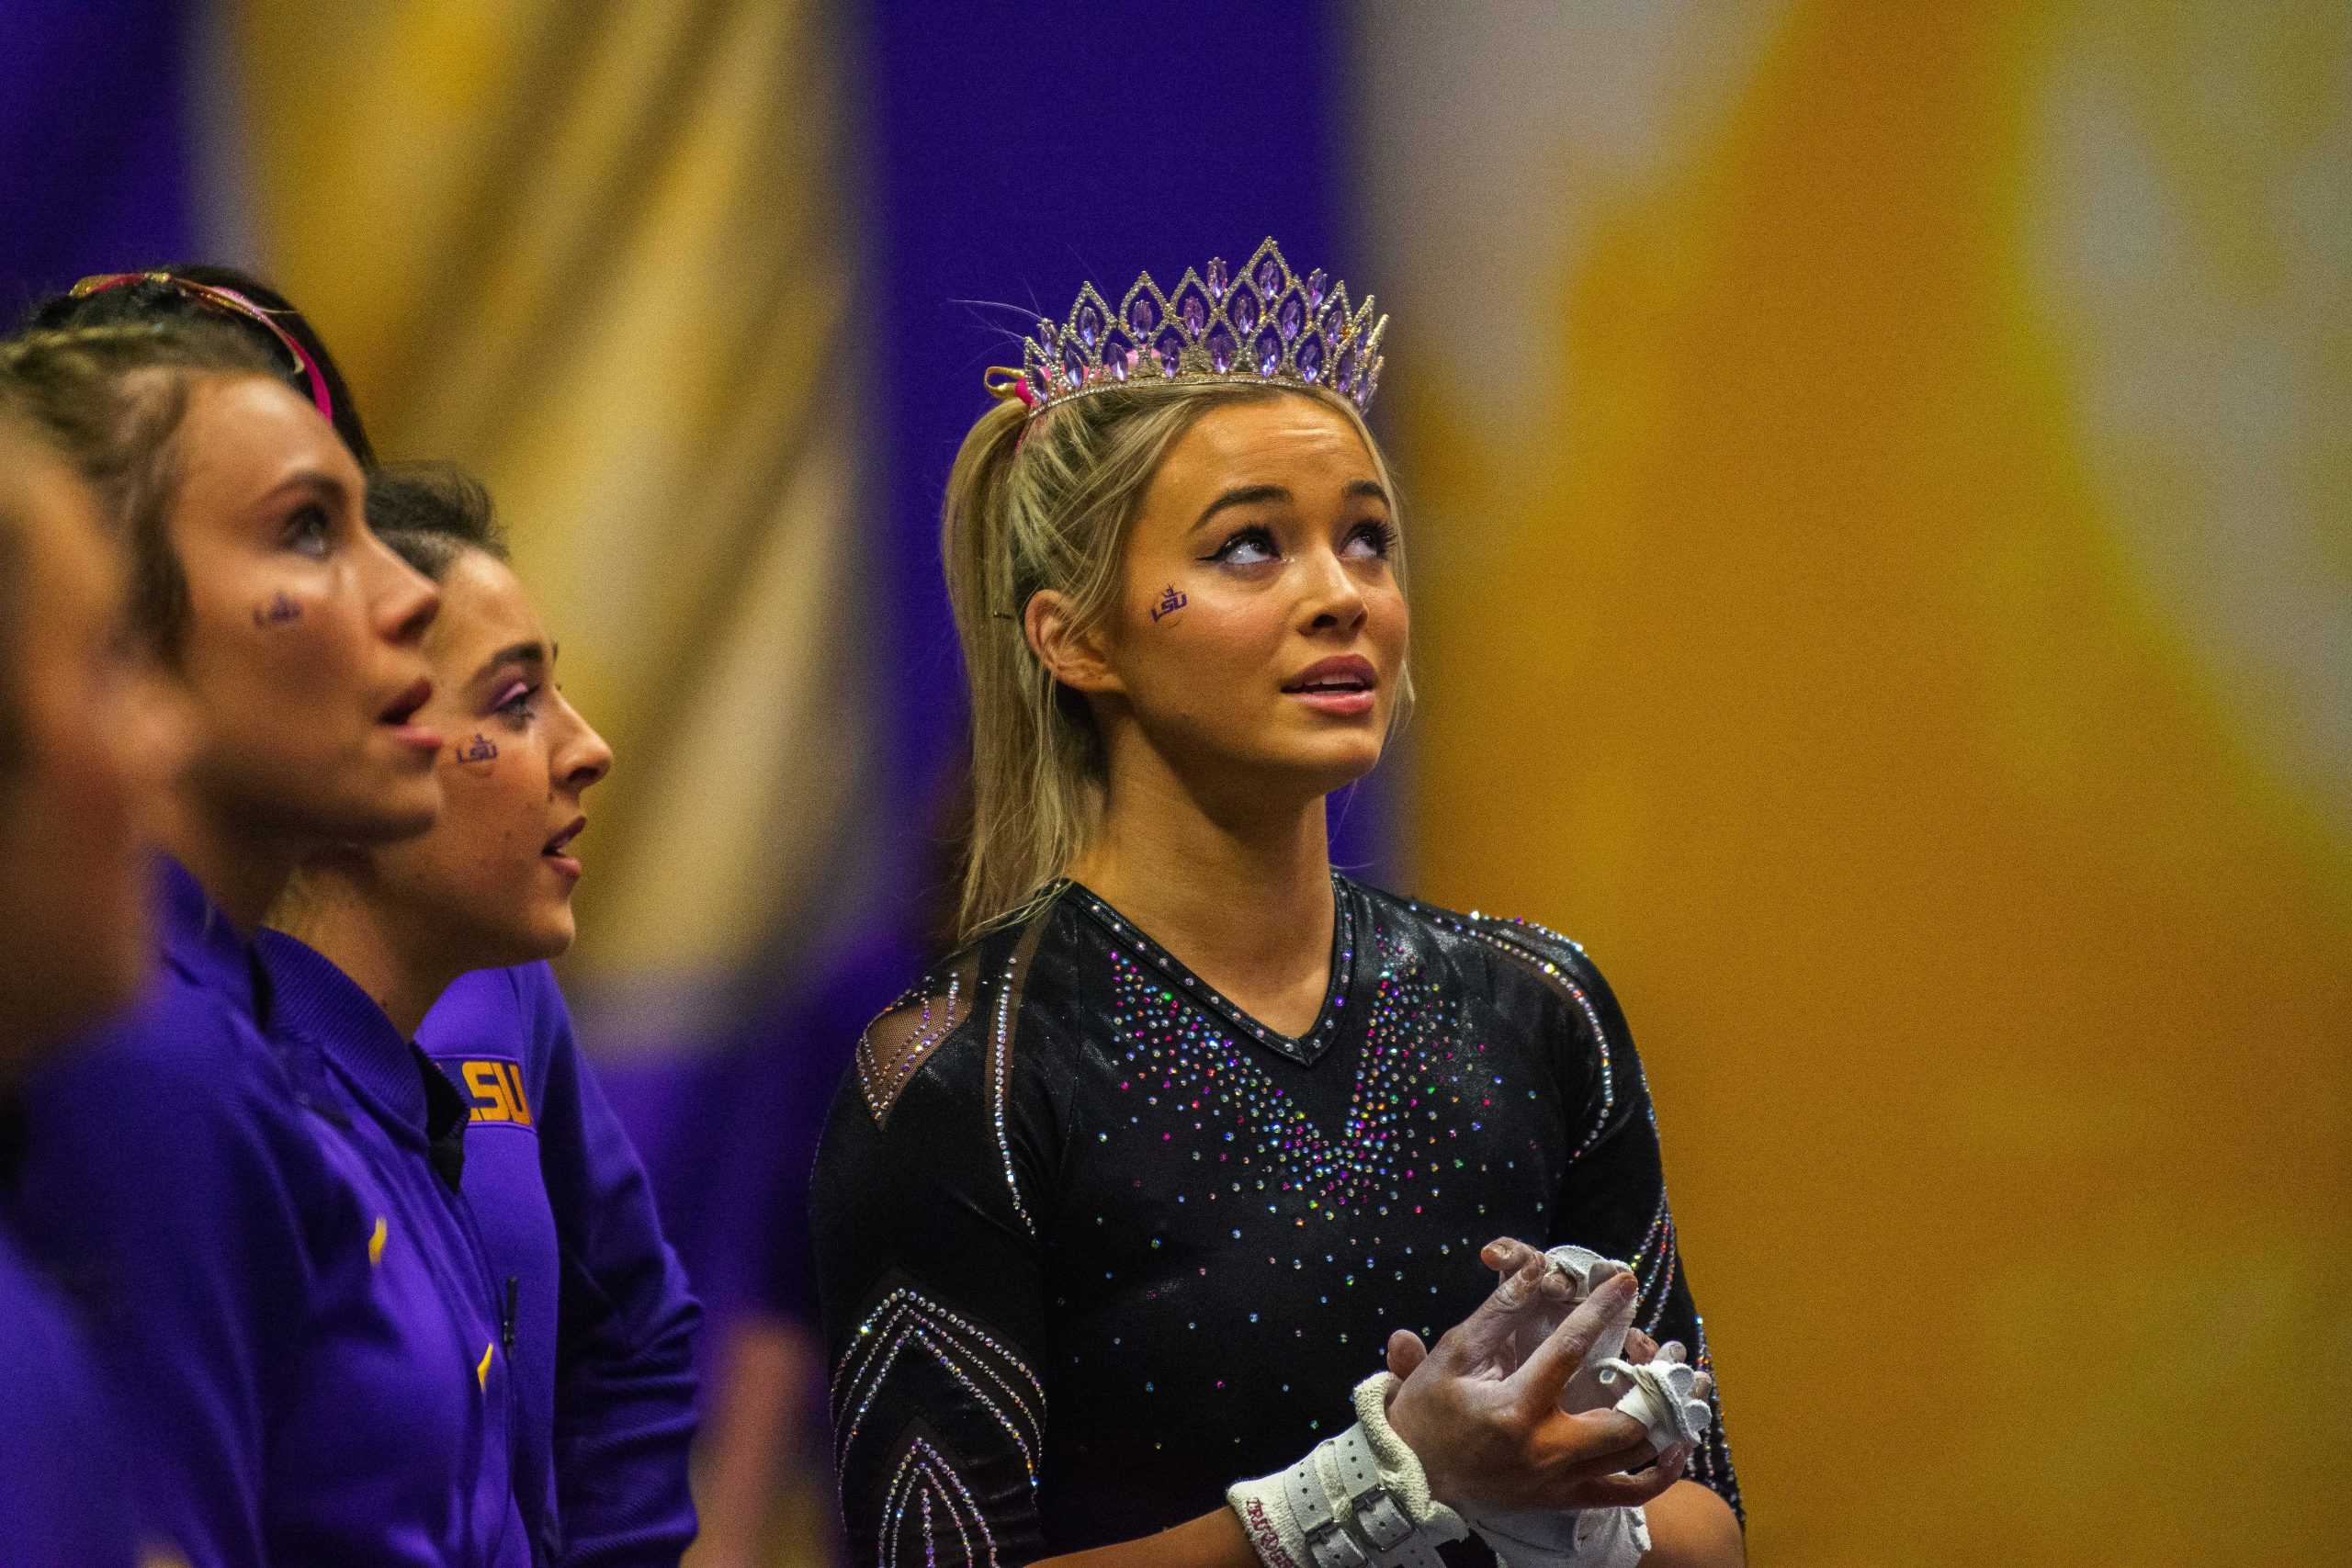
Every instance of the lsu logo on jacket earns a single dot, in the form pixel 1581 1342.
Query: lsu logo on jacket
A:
pixel 495 1086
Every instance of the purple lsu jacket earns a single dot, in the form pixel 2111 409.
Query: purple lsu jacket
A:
pixel 299 1358
pixel 397 1132
pixel 63 1494
pixel 604 1322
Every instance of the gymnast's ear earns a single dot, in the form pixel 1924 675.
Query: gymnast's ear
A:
pixel 1072 654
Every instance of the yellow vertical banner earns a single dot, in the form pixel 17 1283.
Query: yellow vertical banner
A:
pixel 598 254
pixel 1878 487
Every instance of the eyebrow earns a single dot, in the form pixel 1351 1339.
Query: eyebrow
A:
pixel 520 653
pixel 1251 495
pixel 317 480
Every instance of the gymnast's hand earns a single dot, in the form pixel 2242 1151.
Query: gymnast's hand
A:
pixel 1491 1434
pixel 1551 1301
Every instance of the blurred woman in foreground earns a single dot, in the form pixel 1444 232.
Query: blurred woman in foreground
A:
pixel 87 746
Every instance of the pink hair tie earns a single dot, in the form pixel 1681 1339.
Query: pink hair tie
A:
pixel 1005 383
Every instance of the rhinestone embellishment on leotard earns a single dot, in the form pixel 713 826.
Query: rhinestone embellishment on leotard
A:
pixel 1394 1149
pixel 1304 1048
pixel 924 1490
pixel 1498 935
pixel 1000 1088
pixel 880 1073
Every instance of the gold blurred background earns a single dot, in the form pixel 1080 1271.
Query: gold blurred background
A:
pixel 1896 608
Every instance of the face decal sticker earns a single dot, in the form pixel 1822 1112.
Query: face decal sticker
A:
pixel 278 612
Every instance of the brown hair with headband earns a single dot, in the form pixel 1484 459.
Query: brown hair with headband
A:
pixel 111 399
pixel 206 292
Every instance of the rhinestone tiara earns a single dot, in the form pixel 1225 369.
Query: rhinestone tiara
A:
pixel 1265 323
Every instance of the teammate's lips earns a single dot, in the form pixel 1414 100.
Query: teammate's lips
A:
pixel 403 707
pixel 1345 672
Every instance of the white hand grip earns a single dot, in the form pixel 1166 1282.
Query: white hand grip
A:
pixel 1662 1397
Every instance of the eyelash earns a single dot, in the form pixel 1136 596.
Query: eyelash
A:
pixel 1239 537
pixel 520 707
pixel 1382 534
pixel 308 529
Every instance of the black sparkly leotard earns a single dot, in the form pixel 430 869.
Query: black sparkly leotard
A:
pixel 1094 1245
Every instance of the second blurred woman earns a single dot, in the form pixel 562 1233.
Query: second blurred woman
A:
pixel 440 939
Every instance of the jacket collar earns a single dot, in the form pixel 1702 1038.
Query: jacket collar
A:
pixel 326 1009
pixel 203 944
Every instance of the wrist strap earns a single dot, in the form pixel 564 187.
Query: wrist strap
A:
pixel 1359 1500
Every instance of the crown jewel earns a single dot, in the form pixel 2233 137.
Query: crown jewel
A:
pixel 1263 323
